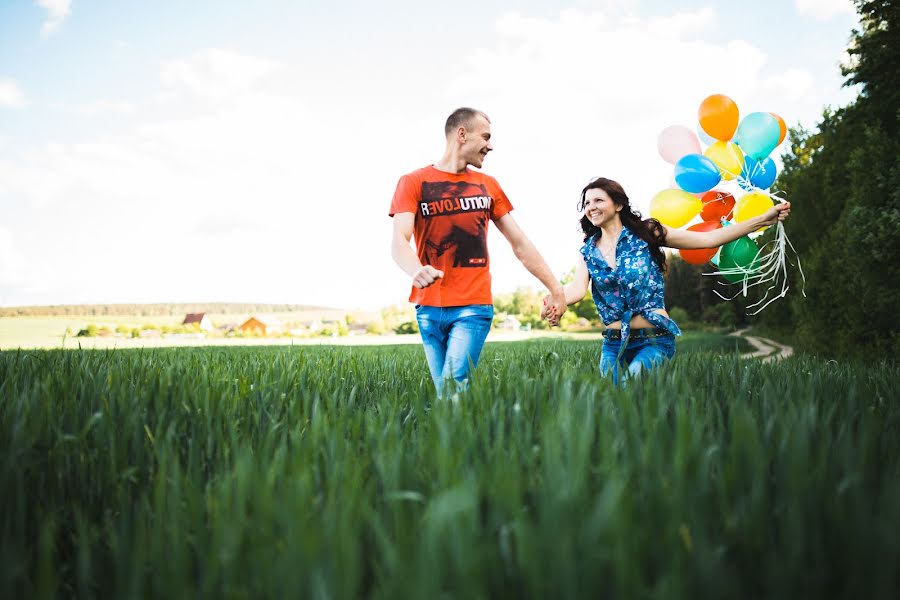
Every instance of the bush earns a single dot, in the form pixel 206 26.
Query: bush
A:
pixel 375 328
pixel 679 315
pixel 407 327
pixel 721 314
pixel 568 319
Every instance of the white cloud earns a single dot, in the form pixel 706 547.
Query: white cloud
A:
pixel 685 24
pixel 793 84
pixel 11 95
pixel 215 73
pixel 824 9
pixel 180 207
pixel 57 12
pixel 12 261
pixel 104 107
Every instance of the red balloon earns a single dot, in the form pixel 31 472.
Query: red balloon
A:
pixel 717 205
pixel 700 256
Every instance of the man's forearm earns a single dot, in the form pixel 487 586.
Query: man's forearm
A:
pixel 405 258
pixel 532 260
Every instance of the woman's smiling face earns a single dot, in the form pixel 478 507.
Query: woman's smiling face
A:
pixel 599 208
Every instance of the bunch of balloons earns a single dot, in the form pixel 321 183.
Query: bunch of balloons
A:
pixel 726 182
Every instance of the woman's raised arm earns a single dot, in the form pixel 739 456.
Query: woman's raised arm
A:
pixel 688 240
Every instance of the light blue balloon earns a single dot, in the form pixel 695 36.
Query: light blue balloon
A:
pixel 707 139
pixel 757 134
pixel 695 173
pixel 758 173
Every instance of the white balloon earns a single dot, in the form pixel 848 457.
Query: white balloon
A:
pixel 676 141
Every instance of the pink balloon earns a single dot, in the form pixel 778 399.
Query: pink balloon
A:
pixel 676 141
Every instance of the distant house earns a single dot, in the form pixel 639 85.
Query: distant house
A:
pixel 511 323
pixel 201 319
pixel 312 326
pixel 358 328
pixel 261 326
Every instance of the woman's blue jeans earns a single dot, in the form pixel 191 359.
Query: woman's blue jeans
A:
pixel 453 337
pixel 640 353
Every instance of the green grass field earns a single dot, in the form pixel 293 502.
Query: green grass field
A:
pixel 330 472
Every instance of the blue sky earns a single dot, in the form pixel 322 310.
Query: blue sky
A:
pixel 157 151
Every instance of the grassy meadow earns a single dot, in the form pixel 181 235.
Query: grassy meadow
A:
pixel 331 472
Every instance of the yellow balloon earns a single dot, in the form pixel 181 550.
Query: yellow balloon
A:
pixel 675 207
pixel 752 205
pixel 728 157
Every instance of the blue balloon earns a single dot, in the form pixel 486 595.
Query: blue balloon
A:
pixel 695 173
pixel 757 173
pixel 758 134
pixel 707 139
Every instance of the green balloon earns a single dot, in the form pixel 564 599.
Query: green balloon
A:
pixel 739 254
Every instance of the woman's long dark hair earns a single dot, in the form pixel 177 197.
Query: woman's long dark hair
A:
pixel 650 230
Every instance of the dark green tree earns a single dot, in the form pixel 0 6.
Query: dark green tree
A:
pixel 843 181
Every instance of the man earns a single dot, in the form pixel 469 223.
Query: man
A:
pixel 447 206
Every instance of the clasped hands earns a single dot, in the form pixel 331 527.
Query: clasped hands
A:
pixel 553 308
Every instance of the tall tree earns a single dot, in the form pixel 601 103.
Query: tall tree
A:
pixel 844 185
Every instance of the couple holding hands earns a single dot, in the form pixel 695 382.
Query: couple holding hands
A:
pixel 446 207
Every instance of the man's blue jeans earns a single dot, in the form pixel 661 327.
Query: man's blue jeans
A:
pixel 453 337
pixel 640 353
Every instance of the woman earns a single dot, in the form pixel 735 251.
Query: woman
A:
pixel 622 258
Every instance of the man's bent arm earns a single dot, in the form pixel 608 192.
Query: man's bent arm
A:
pixel 532 260
pixel 401 251
pixel 403 254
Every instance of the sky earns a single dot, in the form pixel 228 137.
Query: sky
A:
pixel 227 151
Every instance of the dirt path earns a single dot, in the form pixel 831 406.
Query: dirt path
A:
pixel 765 349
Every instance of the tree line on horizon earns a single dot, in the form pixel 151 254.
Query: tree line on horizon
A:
pixel 153 310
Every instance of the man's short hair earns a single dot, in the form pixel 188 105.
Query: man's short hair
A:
pixel 462 117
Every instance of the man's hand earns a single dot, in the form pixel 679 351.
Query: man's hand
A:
pixel 545 307
pixel 558 306
pixel 548 312
pixel 425 276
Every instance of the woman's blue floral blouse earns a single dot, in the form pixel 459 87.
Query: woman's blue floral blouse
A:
pixel 635 287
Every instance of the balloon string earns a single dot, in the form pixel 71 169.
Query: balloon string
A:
pixel 771 269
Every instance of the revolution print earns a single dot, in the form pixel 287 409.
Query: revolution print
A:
pixel 462 239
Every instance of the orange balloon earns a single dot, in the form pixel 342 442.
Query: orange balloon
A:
pixel 717 205
pixel 781 126
pixel 718 116
pixel 700 256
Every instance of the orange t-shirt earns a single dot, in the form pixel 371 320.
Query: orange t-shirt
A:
pixel 451 221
